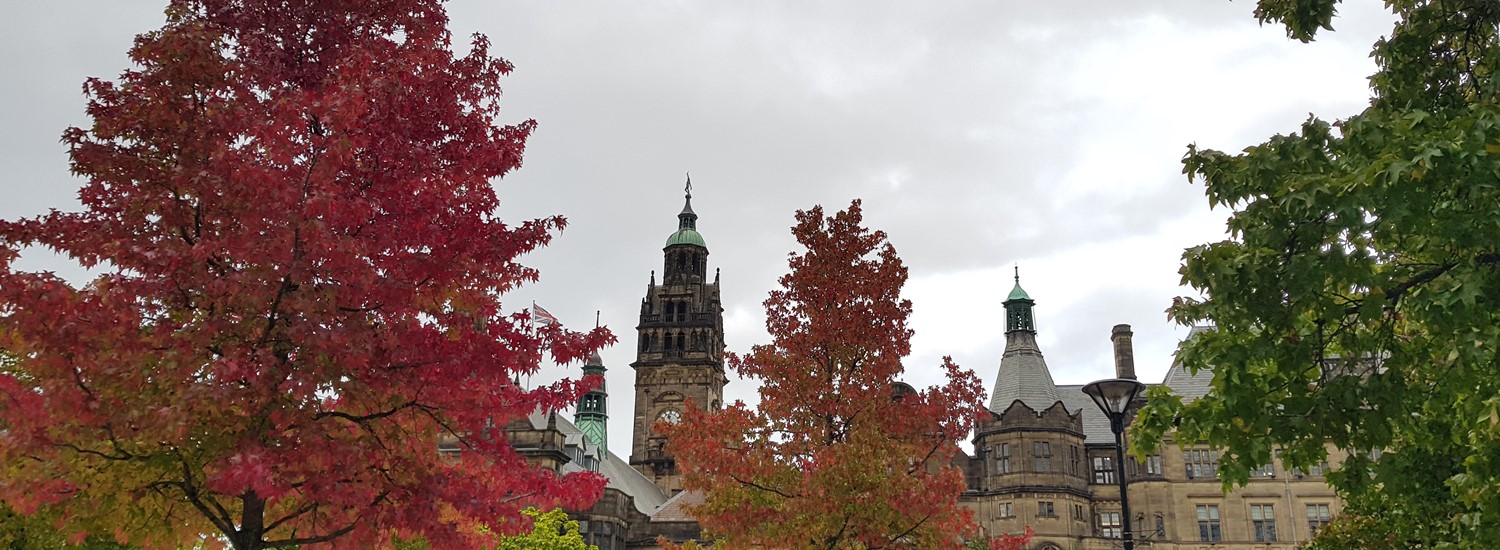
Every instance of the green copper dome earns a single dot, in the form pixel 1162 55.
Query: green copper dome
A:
pixel 1017 294
pixel 686 236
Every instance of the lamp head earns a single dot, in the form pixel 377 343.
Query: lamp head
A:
pixel 1114 395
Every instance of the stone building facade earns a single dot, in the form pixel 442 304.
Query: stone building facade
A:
pixel 680 349
pixel 1043 458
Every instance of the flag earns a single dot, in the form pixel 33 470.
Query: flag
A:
pixel 540 317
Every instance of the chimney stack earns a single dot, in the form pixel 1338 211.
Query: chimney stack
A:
pixel 1124 352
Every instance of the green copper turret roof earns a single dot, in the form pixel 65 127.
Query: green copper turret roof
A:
pixel 686 236
pixel 1016 293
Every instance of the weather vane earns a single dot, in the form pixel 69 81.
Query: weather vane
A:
pixel 689 188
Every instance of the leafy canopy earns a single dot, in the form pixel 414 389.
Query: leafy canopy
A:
pixel 839 453
pixel 291 204
pixel 1355 301
pixel 552 530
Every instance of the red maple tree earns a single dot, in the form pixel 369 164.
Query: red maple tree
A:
pixel 291 205
pixel 839 453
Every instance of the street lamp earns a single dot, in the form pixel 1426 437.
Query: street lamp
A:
pixel 1113 396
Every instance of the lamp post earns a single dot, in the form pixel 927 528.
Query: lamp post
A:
pixel 1113 396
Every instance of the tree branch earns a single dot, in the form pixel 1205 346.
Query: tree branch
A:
pixel 909 530
pixel 325 537
pixel 222 520
pixel 368 417
pixel 755 485
pixel 310 506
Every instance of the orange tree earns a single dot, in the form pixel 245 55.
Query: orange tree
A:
pixel 839 453
pixel 290 205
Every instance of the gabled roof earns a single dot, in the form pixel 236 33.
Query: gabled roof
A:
pixel 1188 385
pixel 676 508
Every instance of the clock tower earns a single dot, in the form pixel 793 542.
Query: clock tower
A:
pixel 680 348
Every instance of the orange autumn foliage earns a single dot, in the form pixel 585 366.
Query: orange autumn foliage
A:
pixel 839 453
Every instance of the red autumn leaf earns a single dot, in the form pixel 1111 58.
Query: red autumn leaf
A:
pixel 293 205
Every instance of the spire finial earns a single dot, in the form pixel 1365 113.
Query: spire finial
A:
pixel 596 317
pixel 1018 272
pixel 687 219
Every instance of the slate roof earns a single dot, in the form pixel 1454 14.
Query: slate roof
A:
pixel 1189 386
pixel 676 508
pixel 648 497
pixel 1023 375
pixel 1095 424
pixel 619 473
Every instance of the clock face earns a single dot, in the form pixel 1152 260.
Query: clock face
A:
pixel 670 416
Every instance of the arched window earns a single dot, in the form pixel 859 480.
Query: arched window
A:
pixel 681 341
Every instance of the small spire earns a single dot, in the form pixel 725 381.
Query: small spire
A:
pixel 687 219
pixel 596 318
pixel 1018 273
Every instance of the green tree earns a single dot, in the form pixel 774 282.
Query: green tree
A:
pixel 549 531
pixel 36 532
pixel 39 532
pixel 1355 300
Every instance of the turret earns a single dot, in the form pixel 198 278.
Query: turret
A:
pixel 592 414
pixel 1023 371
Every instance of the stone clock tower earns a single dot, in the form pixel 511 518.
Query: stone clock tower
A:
pixel 680 348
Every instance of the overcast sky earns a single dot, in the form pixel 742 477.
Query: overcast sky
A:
pixel 980 135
